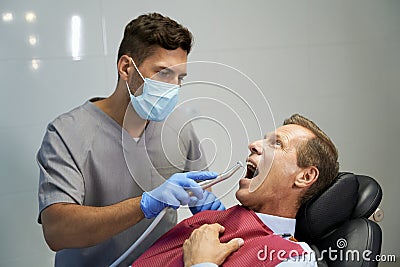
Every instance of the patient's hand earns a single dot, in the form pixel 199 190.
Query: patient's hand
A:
pixel 203 245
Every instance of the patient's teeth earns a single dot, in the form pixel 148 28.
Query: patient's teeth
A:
pixel 251 164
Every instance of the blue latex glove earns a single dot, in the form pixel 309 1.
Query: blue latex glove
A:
pixel 172 192
pixel 208 202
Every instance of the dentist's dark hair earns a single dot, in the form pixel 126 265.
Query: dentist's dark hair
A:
pixel 143 34
pixel 318 151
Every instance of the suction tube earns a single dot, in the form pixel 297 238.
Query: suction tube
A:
pixel 140 239
pixel 204 185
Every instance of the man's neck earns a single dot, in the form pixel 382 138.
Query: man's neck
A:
pixel 282 208
pixel 118 107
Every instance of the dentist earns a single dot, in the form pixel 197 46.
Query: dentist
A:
pixel 111 162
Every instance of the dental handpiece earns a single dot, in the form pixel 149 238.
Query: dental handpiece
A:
pixel 222 176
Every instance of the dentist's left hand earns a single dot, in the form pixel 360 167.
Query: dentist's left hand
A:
pixel 208 202
pixel 172 192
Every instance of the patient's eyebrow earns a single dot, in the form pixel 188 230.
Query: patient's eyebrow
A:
pixel 272 134
pixel 276 136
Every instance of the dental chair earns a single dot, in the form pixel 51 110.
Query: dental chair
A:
pixel 336 226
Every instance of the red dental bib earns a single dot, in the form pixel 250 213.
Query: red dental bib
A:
pixel 261 246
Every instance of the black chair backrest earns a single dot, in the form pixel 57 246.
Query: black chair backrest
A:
pixel 336 221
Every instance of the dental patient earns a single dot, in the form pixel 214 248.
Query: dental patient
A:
pixel 284 170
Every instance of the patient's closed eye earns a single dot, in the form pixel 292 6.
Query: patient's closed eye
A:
pixel 275 143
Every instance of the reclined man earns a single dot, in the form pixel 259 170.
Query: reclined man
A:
pixel 284 170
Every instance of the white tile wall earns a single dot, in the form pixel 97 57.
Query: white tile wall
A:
pixel 337 62
pixel 52 28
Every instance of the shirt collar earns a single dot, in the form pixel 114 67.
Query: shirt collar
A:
pixel 278 225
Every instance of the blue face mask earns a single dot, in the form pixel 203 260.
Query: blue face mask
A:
pixel 157 100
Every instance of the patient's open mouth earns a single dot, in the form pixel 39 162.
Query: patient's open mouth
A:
pixel 252 170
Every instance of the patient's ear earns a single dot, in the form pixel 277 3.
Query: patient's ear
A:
pixel 307 177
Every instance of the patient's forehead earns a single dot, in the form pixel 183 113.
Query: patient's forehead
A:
pixel 290 132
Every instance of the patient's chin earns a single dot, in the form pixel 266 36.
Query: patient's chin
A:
pixel 239 195
pixel 244 197
pixel 243 192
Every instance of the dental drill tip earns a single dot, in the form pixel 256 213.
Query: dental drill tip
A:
pixel 222 176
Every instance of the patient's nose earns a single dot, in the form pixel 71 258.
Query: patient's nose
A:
pixel 256 147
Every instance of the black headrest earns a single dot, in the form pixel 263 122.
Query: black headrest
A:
pixel 325 212
pixel 369 197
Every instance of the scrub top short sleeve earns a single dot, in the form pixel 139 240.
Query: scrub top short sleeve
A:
pixel 60 180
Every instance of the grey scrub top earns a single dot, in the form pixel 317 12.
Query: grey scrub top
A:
pixel 88 159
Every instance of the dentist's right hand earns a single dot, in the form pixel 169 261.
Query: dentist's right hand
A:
pixel 172 192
